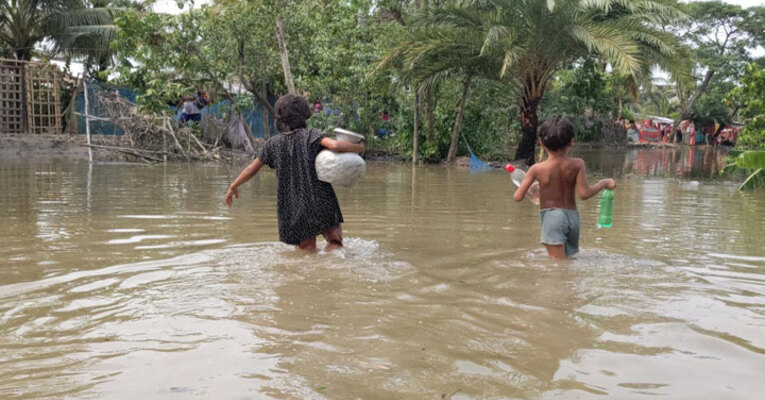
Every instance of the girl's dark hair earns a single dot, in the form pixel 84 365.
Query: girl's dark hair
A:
pixel 292 112
pixel 556 132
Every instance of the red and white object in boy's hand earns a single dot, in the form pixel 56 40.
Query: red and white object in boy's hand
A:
pixel 517 175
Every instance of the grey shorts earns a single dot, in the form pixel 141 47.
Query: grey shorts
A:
pixel 561 226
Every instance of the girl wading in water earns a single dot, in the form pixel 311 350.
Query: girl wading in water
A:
pixel 305 207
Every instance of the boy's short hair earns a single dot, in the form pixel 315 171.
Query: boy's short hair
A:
pixel 556 132
pixel 292 112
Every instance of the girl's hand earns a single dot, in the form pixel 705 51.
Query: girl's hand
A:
pixel 610 184
pixel 230 194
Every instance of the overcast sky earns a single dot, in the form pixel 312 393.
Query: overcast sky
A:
pixel 746 3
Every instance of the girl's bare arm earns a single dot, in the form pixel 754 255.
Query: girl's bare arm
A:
pixel 246 175
pixel 342 146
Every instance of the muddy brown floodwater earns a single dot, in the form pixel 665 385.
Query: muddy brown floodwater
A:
pixel 136 282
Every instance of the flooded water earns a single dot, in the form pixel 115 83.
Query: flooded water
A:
pixel 130 281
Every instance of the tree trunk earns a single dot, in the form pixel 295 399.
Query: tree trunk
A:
pixel 103 66
pixel 24 54
pixel 416 133
pixel 688 106
pixel 285 57
pixel 259 95
pixel 529 124
pixel 458 120
pixel 430 114
pixel 266 125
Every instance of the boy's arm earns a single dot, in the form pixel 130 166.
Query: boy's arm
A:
pixel 586 190
pixel 528 180
pixel 246 175
pixel 341 146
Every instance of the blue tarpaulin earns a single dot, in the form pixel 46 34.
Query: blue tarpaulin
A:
pixel 99 127
pixel 254 116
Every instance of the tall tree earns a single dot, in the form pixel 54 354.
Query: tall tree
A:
pixel 723 37
pixel 73 26
pixel 530 40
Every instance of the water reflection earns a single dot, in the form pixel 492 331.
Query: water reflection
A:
pixel 120 274
pixel 701 162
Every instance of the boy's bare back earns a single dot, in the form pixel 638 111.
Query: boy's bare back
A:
pixel 557 178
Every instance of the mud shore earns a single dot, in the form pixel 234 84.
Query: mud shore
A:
pixel 43 146
pixel 74 147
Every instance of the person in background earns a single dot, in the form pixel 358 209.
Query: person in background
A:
pixel 384 130
pixel 316 106
pixel 690 130
pixel 633 135
pixel 192 107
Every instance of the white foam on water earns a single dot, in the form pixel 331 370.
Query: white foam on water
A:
pixel 125 230
pixel 737 257
pixel 148 216
pixel 360 257
pixel 138 239
pixel 180 244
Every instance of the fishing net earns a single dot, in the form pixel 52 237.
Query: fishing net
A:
pixel 476 164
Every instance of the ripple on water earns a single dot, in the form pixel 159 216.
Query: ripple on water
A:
pixel 451 302
pixel 156 315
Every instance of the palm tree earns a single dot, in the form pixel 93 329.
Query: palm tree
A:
pixel 70 25
pixel 658 100
pixel 21 26
pixel 86 32
pixel 530 40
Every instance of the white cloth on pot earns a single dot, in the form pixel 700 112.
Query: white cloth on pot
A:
pixel 342 169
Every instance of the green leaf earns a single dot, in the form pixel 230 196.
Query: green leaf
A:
pixel 754 181
pixel 734 153
pixel 751 160
pixel 729 169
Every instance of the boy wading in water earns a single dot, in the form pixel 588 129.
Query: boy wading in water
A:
pixel 559 177
pixel 305 206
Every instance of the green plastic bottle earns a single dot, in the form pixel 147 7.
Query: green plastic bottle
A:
pixel 606 208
